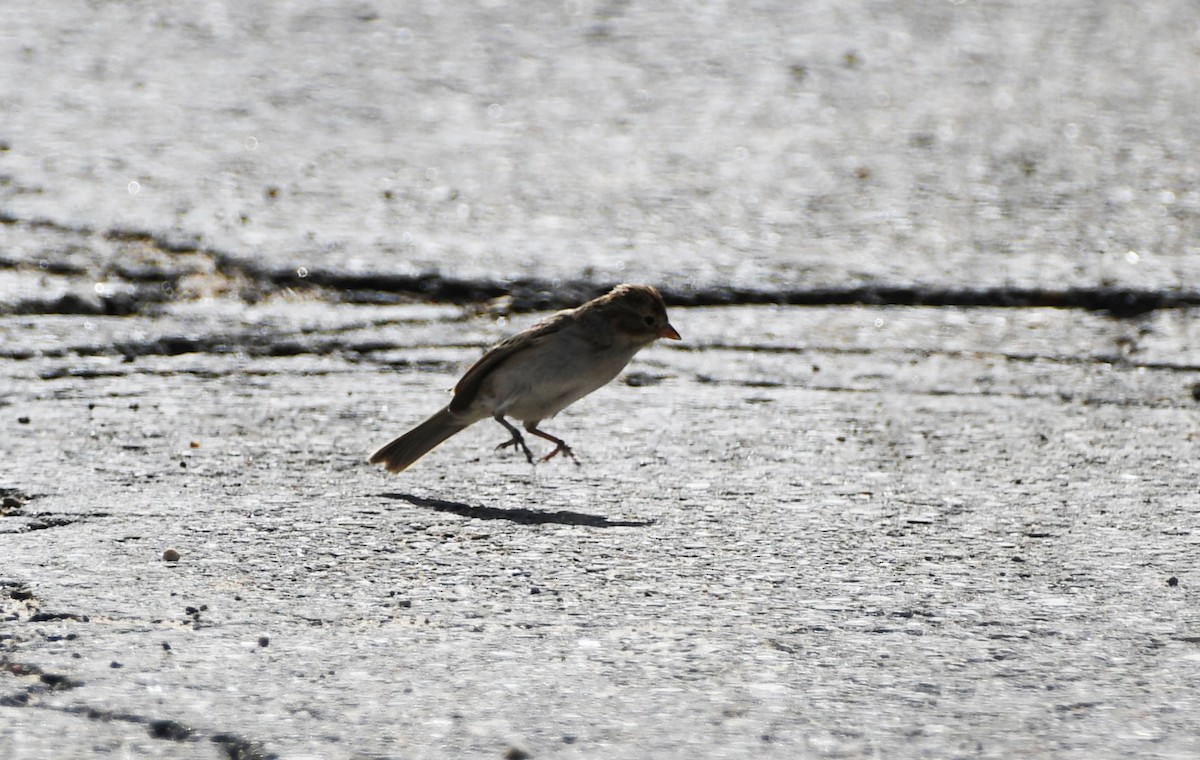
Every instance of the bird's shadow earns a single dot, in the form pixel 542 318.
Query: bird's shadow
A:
pixel 518 515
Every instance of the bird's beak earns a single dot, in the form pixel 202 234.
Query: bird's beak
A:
pixel 666 331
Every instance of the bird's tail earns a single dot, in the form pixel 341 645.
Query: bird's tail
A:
pixel 416 443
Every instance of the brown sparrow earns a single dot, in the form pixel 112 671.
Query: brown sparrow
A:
pixel 537 373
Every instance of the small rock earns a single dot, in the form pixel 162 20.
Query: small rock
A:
pixel 170 555
pixel 1172 581
pixel 516 753
pixel 23 420
pixel 263 641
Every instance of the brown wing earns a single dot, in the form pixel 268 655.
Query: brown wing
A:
pixel 468 387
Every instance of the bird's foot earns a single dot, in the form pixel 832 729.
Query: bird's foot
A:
pixel 517 442
pixel 563 449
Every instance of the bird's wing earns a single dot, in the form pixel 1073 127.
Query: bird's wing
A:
pixel 468 387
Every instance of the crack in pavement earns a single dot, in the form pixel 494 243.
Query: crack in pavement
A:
pixel 151 286
pixel 40 682
pixel 1119 360
pixel 258 342
pixel 35 682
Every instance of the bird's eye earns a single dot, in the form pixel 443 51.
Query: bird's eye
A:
pixel 648 320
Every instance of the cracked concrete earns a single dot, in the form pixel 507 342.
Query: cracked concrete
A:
pixel 919 481
pixel 139 270
pixel 976 524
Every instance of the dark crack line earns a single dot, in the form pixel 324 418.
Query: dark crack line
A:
pixel 1116 360
pixel 536 294
pixel 233 746
pixel 87 374
pixel 260 344
pixel 1061 396
pixel 533 294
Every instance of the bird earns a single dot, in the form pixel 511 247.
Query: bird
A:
pixel 535 374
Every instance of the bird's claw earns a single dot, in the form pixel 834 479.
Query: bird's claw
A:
pixel 515 442
pixel 565 450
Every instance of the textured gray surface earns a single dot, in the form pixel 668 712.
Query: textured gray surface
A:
pixel 995 143
pixel 848 531
pixel 872 545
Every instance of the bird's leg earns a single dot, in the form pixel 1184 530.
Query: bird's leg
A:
pixel 516 439
pixel 560 445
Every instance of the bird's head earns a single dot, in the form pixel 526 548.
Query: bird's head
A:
pixel 637 313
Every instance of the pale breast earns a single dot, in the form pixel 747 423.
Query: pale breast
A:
pixel 541 381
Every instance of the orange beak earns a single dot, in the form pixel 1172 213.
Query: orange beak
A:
pixel 666 331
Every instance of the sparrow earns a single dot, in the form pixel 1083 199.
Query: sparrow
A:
pixel 537 373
